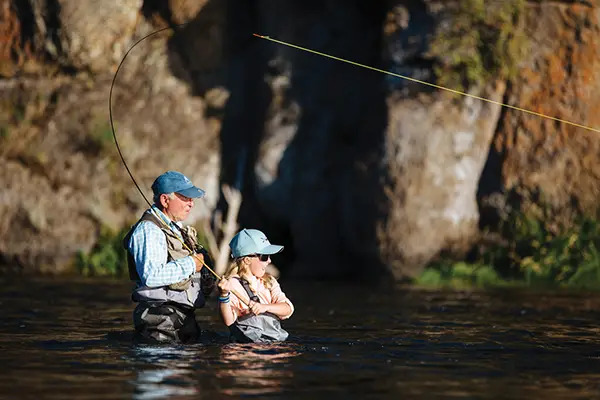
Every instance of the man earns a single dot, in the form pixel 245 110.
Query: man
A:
pixel 170 280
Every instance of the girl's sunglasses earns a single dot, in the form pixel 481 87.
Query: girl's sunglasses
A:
pixel 261 257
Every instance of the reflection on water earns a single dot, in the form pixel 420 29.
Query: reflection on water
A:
pixel 238 369
pixel 73 339
pixel 256 368
pixel 169 372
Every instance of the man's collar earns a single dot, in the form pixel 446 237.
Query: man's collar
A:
pixel 163 216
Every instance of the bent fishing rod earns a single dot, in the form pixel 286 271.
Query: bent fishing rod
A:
pixel 112 126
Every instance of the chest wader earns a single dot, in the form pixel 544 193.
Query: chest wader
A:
pixel 164 322
pixel 263 328
pixel 166 313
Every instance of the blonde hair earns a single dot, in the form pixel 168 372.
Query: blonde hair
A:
pixel 241 267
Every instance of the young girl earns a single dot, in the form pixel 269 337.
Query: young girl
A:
pixel 256 317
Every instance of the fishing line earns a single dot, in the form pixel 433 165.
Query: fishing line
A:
pixel 426 83
pixel 110 116
pixel 112 127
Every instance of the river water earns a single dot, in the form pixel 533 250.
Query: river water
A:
pixel 71 338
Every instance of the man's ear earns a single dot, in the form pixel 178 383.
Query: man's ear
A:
pixel 164 200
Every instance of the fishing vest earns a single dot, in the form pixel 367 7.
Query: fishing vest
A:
pixel 188 292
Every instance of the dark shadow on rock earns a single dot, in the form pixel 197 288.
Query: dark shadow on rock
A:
pixel 195 47
pixel 407 46
pixel 326 199
pixel 333 195
pixel 491 197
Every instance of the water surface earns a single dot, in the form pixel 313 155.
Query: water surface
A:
pixel 71 338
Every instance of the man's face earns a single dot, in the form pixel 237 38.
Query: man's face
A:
pixel 178 207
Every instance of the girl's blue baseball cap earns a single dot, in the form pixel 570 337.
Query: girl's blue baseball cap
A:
pixel 252 241
pixel 176 182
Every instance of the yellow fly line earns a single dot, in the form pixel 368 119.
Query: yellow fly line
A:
pixel 427 83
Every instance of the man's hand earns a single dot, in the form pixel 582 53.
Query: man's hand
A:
pixel 199 260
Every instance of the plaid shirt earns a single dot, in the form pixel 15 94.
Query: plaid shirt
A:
pixel 148 245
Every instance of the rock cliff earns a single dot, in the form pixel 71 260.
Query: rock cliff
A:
pixel 356 172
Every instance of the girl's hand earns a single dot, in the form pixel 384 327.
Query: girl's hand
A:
pixel 225 285
pixel 258 308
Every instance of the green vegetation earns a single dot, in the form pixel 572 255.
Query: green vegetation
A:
pixel 547 254
pixel 480 41
pixel 459 275
pixel 107 258
pixel 538 252
pixel 4 132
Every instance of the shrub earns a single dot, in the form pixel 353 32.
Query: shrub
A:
pixel 537 251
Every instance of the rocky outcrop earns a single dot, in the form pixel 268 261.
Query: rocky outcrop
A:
pixel 356 172
pixel 111 26
pixel 437 148
pixel 367 175
pixel 62 177
pixel 541 159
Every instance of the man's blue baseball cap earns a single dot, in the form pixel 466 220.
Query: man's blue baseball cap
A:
pixel 252 241
pixel 176 182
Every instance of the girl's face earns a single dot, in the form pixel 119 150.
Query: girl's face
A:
pixel 258 267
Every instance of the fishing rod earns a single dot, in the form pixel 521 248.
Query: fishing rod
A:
pixel 112 127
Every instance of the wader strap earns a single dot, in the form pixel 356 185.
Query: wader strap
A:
pixel 246 287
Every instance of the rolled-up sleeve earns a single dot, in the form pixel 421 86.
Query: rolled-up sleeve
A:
pixel 277 296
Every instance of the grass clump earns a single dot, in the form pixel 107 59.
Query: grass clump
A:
pixel 459 274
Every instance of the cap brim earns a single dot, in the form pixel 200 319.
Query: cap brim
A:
pixel 271 249
pixel 192 192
